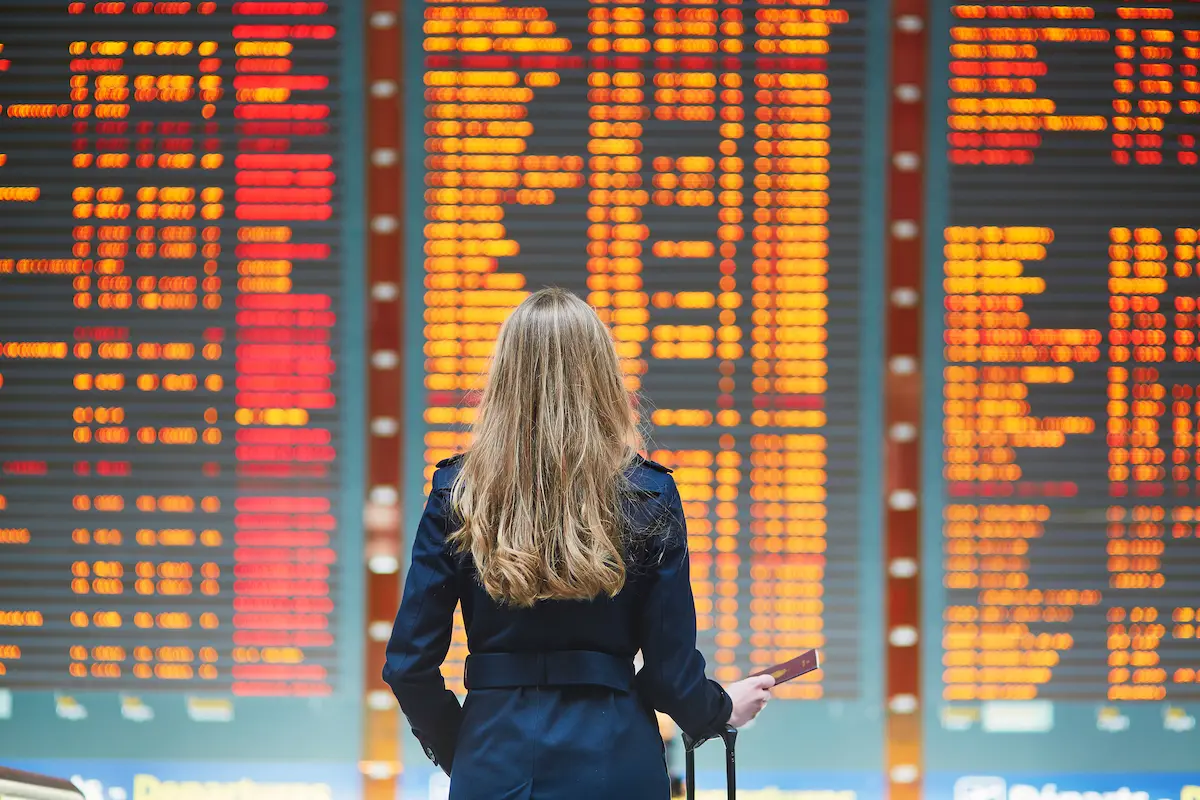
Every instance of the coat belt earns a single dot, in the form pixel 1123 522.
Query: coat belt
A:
pixel 555 668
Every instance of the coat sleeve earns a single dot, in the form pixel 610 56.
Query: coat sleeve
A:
pixel 421 636
pixel 672 676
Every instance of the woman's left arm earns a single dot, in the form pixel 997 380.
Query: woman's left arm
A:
pixel 421 634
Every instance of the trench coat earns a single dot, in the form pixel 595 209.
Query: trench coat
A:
pixel 553 707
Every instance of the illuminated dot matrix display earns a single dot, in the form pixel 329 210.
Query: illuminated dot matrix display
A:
pixel 694 171
pixel 170 423
pixel 1068 332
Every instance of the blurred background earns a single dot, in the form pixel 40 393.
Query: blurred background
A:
pixel 907 290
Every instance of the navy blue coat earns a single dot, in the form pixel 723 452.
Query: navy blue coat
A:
pixel 553 709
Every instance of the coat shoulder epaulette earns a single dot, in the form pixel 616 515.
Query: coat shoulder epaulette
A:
pixel 655 465
pixel 454 459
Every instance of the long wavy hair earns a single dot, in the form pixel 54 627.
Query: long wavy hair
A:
pixel 539 493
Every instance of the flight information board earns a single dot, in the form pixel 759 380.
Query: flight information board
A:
pixel 173 437
pixel 1063 420
pixel 699 172
pixel 694 171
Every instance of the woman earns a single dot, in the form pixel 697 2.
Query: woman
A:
pixel 568 553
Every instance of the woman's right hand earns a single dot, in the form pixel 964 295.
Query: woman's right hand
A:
pixel 749 697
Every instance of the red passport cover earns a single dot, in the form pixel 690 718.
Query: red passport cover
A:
pixel 800 665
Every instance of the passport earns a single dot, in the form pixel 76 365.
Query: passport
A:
pixel 800 665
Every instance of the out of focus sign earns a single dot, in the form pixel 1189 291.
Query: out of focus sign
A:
pixel 19 785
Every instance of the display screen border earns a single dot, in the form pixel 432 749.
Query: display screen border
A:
pixel 1074 744
pixel 271 729
pixel 847 736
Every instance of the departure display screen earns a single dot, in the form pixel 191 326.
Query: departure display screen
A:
pixel 174 432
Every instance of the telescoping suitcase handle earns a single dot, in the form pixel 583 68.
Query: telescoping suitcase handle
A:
pixel 729 736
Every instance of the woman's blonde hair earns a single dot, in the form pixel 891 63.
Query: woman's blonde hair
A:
pixel 539 493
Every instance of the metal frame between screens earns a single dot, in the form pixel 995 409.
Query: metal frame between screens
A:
pixel 902 397
pixel 384 72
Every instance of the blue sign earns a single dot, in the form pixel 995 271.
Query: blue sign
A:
pixel 1064 786
pixel 427 783
pixel 186 780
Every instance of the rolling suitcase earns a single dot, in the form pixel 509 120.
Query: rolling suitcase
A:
pixel 729 736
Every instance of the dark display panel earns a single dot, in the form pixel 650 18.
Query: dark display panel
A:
pixel 695 171
pixel 173 347
pixel 1062 439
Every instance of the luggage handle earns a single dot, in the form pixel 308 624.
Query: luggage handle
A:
pixel 729 736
